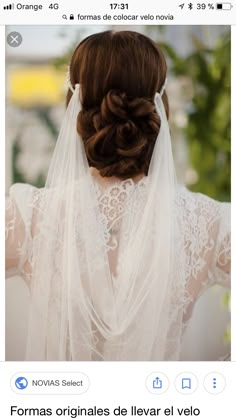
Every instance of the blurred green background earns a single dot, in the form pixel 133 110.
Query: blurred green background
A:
pixel 198 89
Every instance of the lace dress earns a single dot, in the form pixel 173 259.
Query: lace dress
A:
pixel 203 222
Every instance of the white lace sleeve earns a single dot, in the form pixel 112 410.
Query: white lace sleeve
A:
pixel 206 226
pixel 18 229
pixel 221 266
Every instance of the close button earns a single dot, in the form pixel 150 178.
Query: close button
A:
pixel 14 39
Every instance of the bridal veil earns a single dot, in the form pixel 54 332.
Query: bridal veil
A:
pixel 83 305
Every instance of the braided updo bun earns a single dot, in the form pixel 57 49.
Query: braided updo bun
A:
pixel 119 74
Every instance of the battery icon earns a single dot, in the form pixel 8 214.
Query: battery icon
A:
pixel 224 6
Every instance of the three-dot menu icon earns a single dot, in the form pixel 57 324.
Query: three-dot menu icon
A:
pixel 214 383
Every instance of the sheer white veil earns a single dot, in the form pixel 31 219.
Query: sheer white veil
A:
pixel 80 310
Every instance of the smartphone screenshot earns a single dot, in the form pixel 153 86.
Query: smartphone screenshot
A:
pixel 117 140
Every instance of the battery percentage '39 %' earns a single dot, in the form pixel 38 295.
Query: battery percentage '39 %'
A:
pixel 203 6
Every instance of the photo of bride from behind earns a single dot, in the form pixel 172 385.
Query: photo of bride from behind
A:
pixel 114 251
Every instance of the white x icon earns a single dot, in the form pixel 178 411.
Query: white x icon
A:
pixel 14 39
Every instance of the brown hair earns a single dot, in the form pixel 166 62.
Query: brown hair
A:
pixel 119 74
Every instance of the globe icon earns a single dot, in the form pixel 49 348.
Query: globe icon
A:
pixel 21 382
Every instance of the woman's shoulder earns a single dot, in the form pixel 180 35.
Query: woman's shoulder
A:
pixel 23 193
pixel 182 192
pixel 21 188
pixel 21 198
pixel 200 205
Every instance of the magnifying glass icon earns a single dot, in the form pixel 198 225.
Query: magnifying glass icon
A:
pixel 64 17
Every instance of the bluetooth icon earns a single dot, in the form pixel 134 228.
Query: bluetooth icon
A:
pixel 190 6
